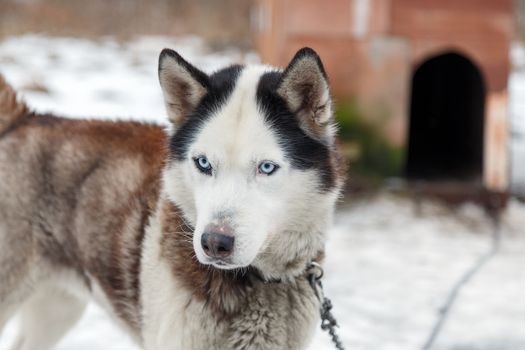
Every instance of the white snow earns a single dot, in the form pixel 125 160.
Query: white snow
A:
pixel 101 79
pixel 390 263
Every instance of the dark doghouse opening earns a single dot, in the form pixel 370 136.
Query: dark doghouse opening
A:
pixel 446 120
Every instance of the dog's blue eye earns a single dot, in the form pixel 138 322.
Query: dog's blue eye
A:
pixel 203 164
pixel 267 168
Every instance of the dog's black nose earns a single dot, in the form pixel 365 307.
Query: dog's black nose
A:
pixel 217 245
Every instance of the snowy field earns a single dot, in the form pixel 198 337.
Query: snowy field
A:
pixel 390 263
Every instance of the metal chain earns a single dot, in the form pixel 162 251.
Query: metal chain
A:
pixel 328 321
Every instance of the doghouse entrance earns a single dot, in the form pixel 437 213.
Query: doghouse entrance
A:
pixel 446 120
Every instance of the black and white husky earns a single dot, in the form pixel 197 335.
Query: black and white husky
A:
pixel 196 239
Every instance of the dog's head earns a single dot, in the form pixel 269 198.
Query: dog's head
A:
pixel 252 161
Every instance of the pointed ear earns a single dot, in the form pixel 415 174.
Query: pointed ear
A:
pixel 304 86
pixel 182 84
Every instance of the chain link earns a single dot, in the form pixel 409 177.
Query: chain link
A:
pixel 328 321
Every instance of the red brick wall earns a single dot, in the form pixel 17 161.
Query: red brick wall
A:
pixel 479 29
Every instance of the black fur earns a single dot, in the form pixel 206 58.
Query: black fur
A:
pixel 303 151
pixel 219 87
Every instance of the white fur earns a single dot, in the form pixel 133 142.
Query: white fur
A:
pixel 170 319
pixel 46 317
pixel 55 304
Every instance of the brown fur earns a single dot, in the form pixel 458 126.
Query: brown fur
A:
pixel 218 289
pixel 11 108
pixel 60 174
pixel 224 292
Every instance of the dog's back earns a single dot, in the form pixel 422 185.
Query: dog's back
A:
pixel 68 188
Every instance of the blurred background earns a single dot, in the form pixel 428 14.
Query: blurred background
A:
pixel 430 98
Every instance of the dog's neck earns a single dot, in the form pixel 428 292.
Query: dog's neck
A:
pixel 223 291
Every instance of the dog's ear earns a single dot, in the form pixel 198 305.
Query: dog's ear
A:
pixel 182 84
pixel 304 87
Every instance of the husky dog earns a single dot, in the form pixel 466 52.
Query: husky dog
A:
pixel 197 238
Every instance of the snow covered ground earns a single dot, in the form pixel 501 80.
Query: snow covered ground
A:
pixel 390 263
